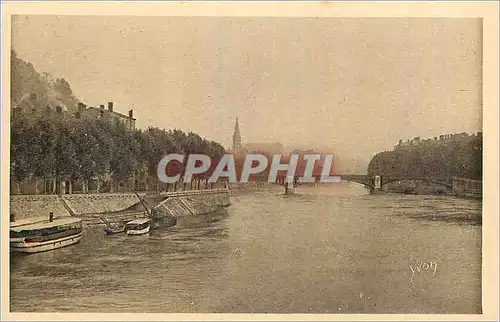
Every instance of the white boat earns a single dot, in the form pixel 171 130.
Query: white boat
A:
pixel 139 226
pixel 48 234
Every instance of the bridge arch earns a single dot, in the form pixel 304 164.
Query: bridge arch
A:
pixel 361 182
pixel 358 178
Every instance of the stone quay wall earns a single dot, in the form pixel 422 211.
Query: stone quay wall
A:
pixel 467 187
pixel 26 206
pixel 91 207
pixel 193 203
pixel 460 187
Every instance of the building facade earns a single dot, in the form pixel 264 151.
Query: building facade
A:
pixel 30 108
pixel 107 114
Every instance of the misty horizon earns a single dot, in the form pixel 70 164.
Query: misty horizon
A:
pixel 356 86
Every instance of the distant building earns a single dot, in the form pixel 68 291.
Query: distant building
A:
pixel 108 114
pixel 269 148
pixel 402 144
pixel 443 139
pixel 30 107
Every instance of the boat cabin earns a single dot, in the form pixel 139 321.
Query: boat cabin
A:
pixel 47 227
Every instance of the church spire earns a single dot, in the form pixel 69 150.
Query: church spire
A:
pixel 237 128
pixel 237 138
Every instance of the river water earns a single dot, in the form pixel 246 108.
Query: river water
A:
pixel 333 249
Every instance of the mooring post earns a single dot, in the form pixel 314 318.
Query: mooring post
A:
pixel 289 188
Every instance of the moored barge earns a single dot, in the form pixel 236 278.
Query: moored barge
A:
pixel 44 235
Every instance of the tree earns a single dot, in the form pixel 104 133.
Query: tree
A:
pixel 22 161
pixel 82 149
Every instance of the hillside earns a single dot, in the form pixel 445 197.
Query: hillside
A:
pixel 457 155
pixel 31 89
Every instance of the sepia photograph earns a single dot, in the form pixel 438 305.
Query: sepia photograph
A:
pixel 250 164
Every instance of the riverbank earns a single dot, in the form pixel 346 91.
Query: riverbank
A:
pixel 461 187
pixel 90 207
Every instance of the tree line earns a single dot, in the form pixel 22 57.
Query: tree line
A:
pixel 443 160
pixel 68 148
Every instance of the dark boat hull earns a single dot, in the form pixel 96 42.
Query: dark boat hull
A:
pixel 160 222
pixel 112 231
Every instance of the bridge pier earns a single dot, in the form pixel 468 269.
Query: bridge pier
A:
pixel 377 183
pixel 289 188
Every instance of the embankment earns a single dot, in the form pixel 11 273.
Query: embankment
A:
pixel 460 187
pixel 193 203
pixel 91 207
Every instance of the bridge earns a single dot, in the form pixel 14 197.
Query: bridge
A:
pixel 359 178
pixel 369 182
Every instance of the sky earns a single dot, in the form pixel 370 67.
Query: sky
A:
pixel 353 86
